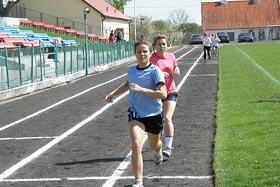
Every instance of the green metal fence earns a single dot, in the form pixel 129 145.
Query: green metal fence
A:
pixel 27 65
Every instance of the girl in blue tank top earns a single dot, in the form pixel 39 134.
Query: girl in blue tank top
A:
pixel 146 86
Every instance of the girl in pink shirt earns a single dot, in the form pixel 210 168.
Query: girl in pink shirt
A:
pixel 168 64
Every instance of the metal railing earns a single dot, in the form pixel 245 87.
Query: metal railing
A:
pixel 27 65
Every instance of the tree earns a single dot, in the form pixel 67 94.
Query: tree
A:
pixel 146 26
pixel 188 29
pixel 182 27
pixel 118 4
pixel 160 26
pixel 1 9
pixel 178 17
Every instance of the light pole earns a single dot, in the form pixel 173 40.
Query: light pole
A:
pixel 86 11
pixel 142 19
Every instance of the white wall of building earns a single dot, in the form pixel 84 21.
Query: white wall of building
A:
pixel 267 33
pixel 111 25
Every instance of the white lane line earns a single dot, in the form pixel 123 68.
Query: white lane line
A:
pixel 117 173
pixel 43 149
pixel 121 168
pixel 64 100
pixel 258 66
pixel 60 102
pixel 186 53
pixel 46 147
pixel 204 75
pixel 28 138
pixel 56 104
pixel 106 178
pixel 188 73
pixel 179 49
pixel 33 180
pixel 181 177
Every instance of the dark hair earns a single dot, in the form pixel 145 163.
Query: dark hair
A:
pixel 142 42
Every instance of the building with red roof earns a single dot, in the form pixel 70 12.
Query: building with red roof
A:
pixel 260 17
pixel 101 20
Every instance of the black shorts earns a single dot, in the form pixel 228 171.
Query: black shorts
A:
pixel 171 97
pixel 153 124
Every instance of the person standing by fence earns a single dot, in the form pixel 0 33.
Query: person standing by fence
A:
pixel 168 64
pixel 112 38
pixel 146 86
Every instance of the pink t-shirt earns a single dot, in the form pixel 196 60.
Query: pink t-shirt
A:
pixel 166 63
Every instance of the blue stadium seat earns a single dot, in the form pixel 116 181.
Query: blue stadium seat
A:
pixel 29 33
pixel 69 43
pixel 13 35
pixel 41 35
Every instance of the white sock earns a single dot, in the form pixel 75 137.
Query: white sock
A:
pixel 139 181
pixel 168 141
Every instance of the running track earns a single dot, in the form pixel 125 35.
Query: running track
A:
pixel 69 136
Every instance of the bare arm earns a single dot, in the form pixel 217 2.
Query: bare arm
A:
pixel 176 71
pixel 121 89
pixel 160 93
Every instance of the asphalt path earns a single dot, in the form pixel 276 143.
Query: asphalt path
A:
pixel 68 136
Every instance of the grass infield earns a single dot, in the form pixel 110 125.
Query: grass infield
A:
pixel 247 141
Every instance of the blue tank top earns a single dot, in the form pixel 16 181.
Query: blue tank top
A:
pixel 149 77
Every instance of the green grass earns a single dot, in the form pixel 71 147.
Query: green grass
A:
pixel 247 141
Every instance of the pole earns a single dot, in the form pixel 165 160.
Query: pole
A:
pixel 86 11
pixel 141 27
pixel 85 38
pixel 142 19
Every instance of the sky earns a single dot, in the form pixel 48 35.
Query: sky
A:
pixel 161 9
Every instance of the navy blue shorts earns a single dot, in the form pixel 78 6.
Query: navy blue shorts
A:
pixel 153 124
pixel 171 97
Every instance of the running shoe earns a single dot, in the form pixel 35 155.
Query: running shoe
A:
pixel 137 184
pixel 158 157
pixel 167 151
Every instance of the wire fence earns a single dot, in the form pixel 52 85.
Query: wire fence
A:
pixel 27 65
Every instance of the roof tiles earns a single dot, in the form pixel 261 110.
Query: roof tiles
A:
pixel 106 9
pixel 240 14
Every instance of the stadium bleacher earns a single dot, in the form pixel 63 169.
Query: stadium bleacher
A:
pixel 80 34
pixel 92 36
pixel 26 44
pixel 38 25
pixel 12 37
pixel 25 23
pixel 49 27
pixel 60 30
pixel 71 32
pixel 17 41
pixel 7 45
